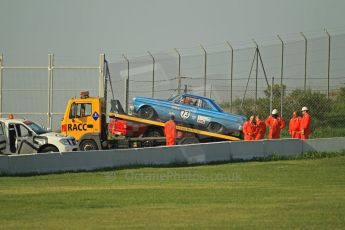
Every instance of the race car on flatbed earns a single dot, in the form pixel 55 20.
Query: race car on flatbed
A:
pixel 195 111
pixel 85 119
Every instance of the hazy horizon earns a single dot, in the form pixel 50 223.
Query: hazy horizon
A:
pixel 83 29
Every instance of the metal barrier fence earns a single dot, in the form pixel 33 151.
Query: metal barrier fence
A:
pixel 40 93
pixel 305 69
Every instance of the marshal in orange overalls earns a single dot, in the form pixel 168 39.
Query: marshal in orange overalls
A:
pixel 275 125
pixel 260 129
pixel 294 126
pixel 249 129
pixel 170 132
pixel 305 125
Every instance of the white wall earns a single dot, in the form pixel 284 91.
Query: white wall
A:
pixel 186 154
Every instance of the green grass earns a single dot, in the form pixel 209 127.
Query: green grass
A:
pixel 302 194
pixel 324 132
pixel 320 132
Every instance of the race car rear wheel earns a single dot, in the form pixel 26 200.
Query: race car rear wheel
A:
pixel 147 112
pixel 215 127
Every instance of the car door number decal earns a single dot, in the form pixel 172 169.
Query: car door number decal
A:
pixel 203 119
pixel 185 114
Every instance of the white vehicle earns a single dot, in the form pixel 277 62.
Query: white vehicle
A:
pixel 24 136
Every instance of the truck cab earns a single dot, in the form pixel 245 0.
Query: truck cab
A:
pixel 84 119
pixel 23 136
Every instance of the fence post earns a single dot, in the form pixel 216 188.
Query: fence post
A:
pixel 126 84
pixel 205 69
pixel 281 77
pixel 305 60
pixel 271 96
pixel 256 73
pixel 179 72
pixel 329 62
pixel 1 71
pixel 50 88
pixel 153 73
pixel 101 86
pixel 231 72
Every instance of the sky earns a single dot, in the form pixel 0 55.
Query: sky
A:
pixel 83 29
pixel 78 31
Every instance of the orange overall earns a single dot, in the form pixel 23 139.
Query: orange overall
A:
pixel 294 127
pixel 260 130
pixel 275 125
pixel 170 132
pixel 305 126
pixel 249 131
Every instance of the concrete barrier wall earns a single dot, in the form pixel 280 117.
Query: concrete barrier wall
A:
pixel 186 154
pixel 324 145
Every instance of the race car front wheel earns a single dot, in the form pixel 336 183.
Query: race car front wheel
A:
pixel 147 112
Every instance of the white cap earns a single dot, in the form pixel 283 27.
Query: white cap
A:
pixel 275 111
pixel 305 108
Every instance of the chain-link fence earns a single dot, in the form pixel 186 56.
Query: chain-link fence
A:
pixel 305 69
pixel 40 93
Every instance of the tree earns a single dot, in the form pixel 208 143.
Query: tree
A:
pixel 341 96
pixel 318 103
pixel 276 91
pixel 336 116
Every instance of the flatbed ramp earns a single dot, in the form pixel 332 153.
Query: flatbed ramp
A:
pixel 178 127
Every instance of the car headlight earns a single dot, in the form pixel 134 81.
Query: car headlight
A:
pixel 64 141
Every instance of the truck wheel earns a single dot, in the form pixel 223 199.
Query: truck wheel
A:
pixel 154 133
pixel 49 149
pixel 88 145
pixel 147 112
pixel 188 140
pixel 215 127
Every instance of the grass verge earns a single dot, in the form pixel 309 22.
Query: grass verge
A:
pixel 305 194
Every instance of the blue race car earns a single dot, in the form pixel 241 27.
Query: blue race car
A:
pixel 195 111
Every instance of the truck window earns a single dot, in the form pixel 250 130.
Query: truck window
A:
pixel 73 111
pixel 80 110
pixel 84 109
pixel 2 129
pixel 35 127
pixel 12 137
pixel 22 131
